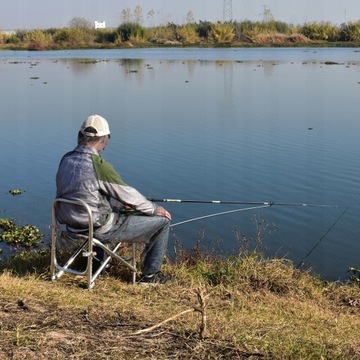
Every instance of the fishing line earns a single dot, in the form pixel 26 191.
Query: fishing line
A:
pixel 322 238
pixel 218 214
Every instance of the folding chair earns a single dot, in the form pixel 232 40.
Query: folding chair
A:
pixel 85 243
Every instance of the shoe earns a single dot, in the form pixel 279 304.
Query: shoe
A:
pixel 154 279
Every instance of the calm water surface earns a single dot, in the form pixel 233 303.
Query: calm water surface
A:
pixel 231 124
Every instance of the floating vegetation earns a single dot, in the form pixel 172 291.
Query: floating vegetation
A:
pixel 331 63
pixel 26 236
pixel 88 61
pixel 15 192
pixel 131 71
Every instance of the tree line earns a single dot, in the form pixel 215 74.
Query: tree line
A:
pixel 80 33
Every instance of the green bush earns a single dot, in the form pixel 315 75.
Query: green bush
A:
pixel 203 29
pixel 222 33
pixel 162 34
pixel 37 39
pixel 12 39
pixel 350 31
pixel 61 36
pixel 187 34
pixel 129 30
pixel 320 31
pixel 106 36
pixel 74 36
pixel 281 27
pixel 250 29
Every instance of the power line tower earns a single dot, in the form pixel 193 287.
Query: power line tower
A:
pixel 227 11
pixel 267 15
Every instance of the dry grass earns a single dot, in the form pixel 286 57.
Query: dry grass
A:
pixel 279 39
pixel 253 308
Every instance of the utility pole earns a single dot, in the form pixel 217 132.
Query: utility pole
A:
pixel 227 11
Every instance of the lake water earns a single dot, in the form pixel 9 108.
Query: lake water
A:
pixel 261 125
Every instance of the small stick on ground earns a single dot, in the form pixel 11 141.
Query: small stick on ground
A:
pixel 202 310
pixel 161 323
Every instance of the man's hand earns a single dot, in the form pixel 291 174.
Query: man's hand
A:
pixel 160 211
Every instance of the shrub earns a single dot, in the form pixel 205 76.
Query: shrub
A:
pixel 37 39
pixel 187 34
pixel 132 31
pixel 203 29
pixel 105 36
pixel 249 30
pixel 350 31
pixel 75 36
pixel 222 33
pixel 61 36
pixel 320 31
pixel 161 35
pixel 11 39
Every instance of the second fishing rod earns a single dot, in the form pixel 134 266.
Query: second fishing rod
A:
pixel 240 202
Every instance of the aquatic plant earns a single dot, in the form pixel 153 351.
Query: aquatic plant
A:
pixel 24 237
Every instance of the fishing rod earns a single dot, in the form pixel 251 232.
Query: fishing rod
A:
pixel 237 202
pixel 256 205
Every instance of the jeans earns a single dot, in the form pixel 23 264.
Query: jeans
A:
pixel 152 230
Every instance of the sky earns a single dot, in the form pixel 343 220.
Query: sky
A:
pixel 43 14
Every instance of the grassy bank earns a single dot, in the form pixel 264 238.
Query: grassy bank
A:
pixel 242 307
pixel 80 35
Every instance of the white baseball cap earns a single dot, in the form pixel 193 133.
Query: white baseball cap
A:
pixel 95 125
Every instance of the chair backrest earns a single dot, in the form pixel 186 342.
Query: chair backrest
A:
pixel 77 202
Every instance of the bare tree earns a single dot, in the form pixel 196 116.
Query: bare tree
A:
pixel 190 17
pixel 150 16
pixel 138 15
pixel 80 23
pixel 125 15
